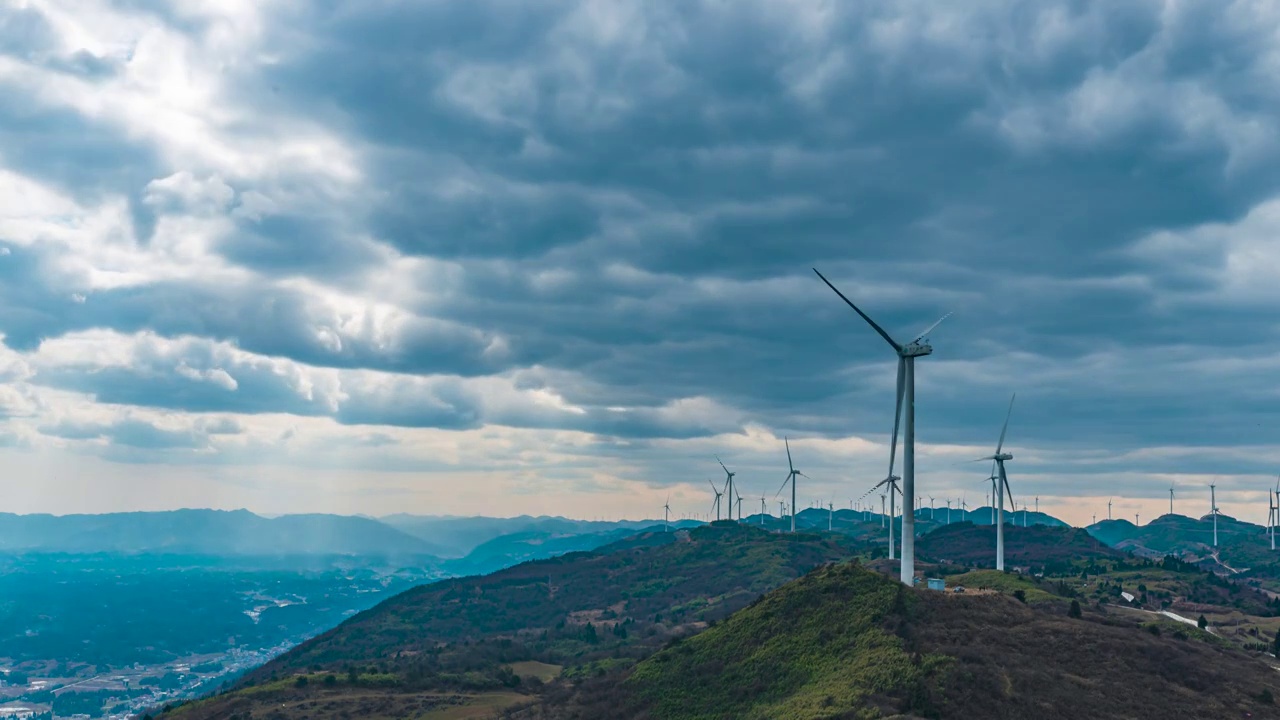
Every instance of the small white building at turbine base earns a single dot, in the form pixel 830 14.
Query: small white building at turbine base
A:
pixel 1127 597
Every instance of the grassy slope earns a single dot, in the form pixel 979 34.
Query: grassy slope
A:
pixel 464 636
pixel 843 643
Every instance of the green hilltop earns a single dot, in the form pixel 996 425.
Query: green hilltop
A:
pixel 845 642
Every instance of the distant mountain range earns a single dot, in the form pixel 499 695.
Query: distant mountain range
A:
pixel 206 532
pixel 460 546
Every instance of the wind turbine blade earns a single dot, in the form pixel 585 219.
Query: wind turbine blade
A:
pixel 897 413
pixel 1005 429
pixel 930 328
pixel 803 475
pixel 787 442
pixel 864 316
pixel 784 485
pixel 726 470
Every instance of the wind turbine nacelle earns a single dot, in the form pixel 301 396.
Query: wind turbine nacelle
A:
pixel 1002 457
pixel 917 349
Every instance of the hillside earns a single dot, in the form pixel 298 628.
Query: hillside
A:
pixel 845 642
pixel 1034 546
pixel 506 550
pixel 456 537
pixel 583 613
pixel 206 532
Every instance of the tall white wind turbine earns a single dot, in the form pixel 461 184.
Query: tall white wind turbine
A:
pixel 906 396
pixel 1170 498
pixel 666 514
pixel 1003 485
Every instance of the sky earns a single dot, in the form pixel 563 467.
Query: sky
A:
pixel 502 257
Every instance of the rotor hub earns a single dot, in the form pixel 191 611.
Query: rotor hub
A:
pixel 917 349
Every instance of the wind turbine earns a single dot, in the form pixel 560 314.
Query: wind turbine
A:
pixel 729 487
pixel 931 511
pixel 906 395
pixel 948 511
pixel 716 503
pixel 1135 519
pixel 1170 498
pixel 1213 508
pixel 792 472
pixel 1273 515
pixel 739 506
pixel 1000 457
pixel 1108 508
pixel 831 515
pixel 666 513
pixel 993 480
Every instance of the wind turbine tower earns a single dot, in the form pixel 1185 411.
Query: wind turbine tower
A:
pixel 1108 508
pixel 1213 508
pixel 906 396
pixel 831 515
pixel 1170 498
pixel 1000 457
pixel 666 514
pixel 762 510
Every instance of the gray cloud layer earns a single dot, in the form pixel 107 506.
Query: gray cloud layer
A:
pixel 617 205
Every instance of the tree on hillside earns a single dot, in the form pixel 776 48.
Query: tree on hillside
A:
pixel 1202 623
pixel 1275 649
pixel 1075 609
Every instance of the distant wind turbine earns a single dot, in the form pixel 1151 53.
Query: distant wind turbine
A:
pixel 666 513
pixel 1108 508
pixel 1135 519
pixel 831 515
pixel 906 396
pixel 792 472
pixel 729 487
pixel 1170 498
pixel 1213 508
pixel 762 513
pixel 1274 502
pixel 1000 457
pixel 948 511
pixel 716 504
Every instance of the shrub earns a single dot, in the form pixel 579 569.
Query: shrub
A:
pixel 1074 611
pixel 301 681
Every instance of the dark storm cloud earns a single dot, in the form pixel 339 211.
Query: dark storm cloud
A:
pixel 634 199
